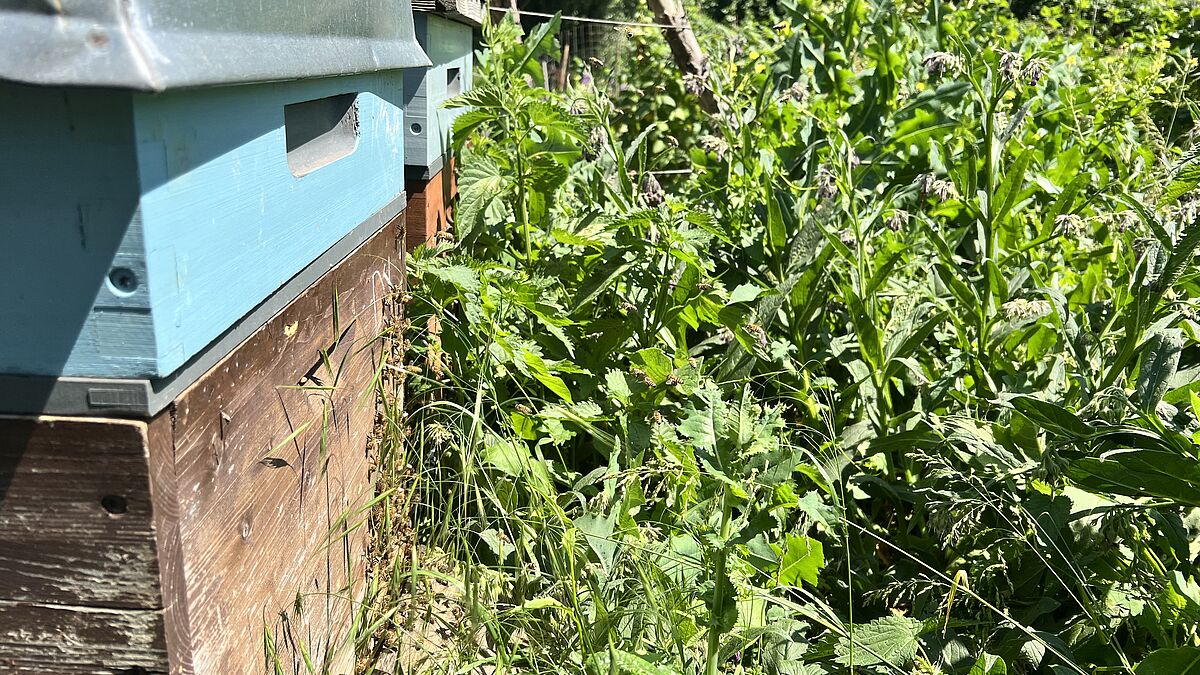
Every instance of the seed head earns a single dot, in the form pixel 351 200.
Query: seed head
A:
pixel 1020 309
pixel 938 64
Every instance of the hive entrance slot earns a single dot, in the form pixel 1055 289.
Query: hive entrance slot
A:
pixel 320 132
pixel 453 82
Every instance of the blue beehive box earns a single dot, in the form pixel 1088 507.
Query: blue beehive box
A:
pixel 445 29
pixel 172 175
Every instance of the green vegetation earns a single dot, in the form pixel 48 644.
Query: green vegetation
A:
pixel 899 376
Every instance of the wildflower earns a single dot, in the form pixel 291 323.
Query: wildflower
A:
pixel 693 83
pixel 652 190
pixel 1010 65
pixel 1035 70
pixel 826 183
pixel 940 63
pixel 1021 309
pixel 596 142
pixel 797 93
pixel 715 145
pixel 898 220
pixel 585 80
pixel 1071 225
pixel 930 184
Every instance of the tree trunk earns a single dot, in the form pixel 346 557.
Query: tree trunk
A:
pixel 685 49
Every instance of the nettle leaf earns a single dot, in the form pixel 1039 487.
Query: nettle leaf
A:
pixel 890 640
pixel 803 560
pixel 655 362
pixel 744 293
pixel 1180 661
pixel 1185 179
pixel 626 663
pixel 480 183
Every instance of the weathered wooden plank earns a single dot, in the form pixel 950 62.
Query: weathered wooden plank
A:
pixel 427 214
pixel 270 453
pixel 75 514
pixel 44 639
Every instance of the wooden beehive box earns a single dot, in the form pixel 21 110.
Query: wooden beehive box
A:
pixel 202 213
pixel 445 29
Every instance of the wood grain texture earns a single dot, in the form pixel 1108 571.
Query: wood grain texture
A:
pixel 428 208
pixel 79 577
pixel 75 513
pixel 41 639
pixel 270 454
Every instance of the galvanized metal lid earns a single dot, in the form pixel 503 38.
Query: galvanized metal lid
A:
pixel 466 11
pixel 163 44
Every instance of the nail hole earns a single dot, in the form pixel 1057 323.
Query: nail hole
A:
pixel 122 281
pixel 115 505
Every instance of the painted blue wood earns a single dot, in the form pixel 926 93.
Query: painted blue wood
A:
pixel 449 46
pixel 137 228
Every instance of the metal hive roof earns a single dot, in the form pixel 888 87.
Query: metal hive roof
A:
pixel 154 45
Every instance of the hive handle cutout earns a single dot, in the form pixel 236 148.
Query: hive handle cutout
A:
pixel 320 132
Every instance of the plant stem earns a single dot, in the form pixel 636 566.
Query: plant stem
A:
pixel 713 656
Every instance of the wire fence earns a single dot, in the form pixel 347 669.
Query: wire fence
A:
pixel 590 46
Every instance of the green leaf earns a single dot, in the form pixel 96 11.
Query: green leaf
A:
pixel 618 662
pixel 890 640
pixel 655 362
pixel 538 368
pixel 1140 473
pixel 1160 361
pixel 988 664
pixel 1179 661
pixel 1185 179
pixel 1006 195
pixel 802 561
pixel 744 293
pixel 1051 417
pixel 598 530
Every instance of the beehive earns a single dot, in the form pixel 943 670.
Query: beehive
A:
pixel 166 178
pixel 445 29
